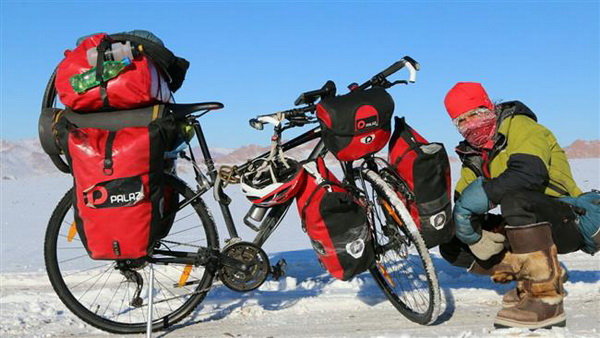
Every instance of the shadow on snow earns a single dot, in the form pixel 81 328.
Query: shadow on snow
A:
pixel 312 280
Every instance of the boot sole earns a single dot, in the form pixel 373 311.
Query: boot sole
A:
pixel 559 321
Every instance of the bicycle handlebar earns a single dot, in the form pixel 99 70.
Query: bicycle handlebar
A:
pixel 380 79
pixel 276 118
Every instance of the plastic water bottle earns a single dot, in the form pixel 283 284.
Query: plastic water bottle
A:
pixel 117 52
pixel 84 81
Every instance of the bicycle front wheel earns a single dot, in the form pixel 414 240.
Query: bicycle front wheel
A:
pixel 403 268
pixel 112 295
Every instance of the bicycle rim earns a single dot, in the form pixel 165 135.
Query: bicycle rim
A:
pixel 403 268
pixel 105 297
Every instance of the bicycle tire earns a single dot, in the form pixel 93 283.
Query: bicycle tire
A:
pixel 393 287
pixel 58 278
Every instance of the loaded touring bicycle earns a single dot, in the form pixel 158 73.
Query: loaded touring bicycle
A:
pixel 182 258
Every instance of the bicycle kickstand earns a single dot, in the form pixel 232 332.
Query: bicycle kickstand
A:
pixel 150 301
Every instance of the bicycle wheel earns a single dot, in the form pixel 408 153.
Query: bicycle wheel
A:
pixel 112 295
pixel 403 268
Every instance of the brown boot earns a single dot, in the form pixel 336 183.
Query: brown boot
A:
pixel 504 268
pixel 512 297
pixel 534 258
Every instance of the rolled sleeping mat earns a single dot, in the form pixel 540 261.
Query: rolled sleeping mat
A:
pixel 111 120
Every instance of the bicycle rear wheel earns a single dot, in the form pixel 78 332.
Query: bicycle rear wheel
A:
pixel 112 295
pixel 403 268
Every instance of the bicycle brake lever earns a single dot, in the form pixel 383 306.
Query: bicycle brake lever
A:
pixel 399 82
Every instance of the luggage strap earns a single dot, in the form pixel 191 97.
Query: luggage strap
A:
pixel 311 168
pixel 102 48
pixel 108 162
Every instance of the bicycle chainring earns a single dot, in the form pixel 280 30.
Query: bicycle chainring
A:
pixel 256 261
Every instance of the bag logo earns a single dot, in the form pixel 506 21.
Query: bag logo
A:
pixel 121 192
pixel 368 139
pixel 366 123
pixel 438 220
pixel 356 248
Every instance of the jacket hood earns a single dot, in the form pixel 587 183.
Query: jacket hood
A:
pixel 511 108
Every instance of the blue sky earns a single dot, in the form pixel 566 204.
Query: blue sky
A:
pixel 256 57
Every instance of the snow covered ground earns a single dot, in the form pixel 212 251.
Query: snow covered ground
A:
pixel 307 303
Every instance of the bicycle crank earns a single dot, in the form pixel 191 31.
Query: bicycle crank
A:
pixel 244 266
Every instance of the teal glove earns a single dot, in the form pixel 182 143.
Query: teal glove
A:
pixel 473 201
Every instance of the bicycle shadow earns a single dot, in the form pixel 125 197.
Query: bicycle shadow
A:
pixel 307 279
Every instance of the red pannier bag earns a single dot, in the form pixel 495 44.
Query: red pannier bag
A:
pixel 119 196
pixel 356 124
pixel 425 168
pixel 336 223
pixel 139 84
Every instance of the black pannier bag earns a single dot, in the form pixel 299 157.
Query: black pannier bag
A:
pixel 336 223
pixel 121 202
pixel 425 168
pixel 356 124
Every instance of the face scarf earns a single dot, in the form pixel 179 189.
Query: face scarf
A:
pixel 478 128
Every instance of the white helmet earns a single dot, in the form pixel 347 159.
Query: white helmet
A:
pixel 268 182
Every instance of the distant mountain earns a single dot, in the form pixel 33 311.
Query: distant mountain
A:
pixel 24 158
pixel 583 149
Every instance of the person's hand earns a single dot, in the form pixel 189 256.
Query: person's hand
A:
pixel 473 201
pixel 488 245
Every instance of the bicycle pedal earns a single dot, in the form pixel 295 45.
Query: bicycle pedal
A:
pixel 279 269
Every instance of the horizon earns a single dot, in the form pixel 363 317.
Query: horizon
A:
pixel 257 58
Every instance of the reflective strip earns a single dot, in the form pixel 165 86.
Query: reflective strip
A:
pixel 155 111
pixel 72 232
pixel 185 275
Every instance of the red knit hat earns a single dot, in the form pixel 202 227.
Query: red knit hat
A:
pixel 465 96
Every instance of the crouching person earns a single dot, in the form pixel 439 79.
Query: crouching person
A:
pixel 510 160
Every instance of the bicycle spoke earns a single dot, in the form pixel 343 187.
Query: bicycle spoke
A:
pixel 74 258
pixel 91 286
pixel 182 218
pixel 181 231
pixel 102 288
pixel 100 273
pixel 111 299
pixel 86 270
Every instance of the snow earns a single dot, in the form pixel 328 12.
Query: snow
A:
pixel 305 303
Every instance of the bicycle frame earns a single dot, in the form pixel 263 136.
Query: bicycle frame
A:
pixel 271 221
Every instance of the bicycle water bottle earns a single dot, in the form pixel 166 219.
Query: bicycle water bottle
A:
pixel 87 80
pixel 116 52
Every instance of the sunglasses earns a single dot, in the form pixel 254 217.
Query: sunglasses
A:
pixel 463 120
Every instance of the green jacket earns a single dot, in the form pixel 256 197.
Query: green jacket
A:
pixel 525 155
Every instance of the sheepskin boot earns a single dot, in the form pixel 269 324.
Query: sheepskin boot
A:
pixel 513 296
pixel 536 268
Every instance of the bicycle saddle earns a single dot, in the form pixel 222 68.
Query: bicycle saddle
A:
pixel 184 109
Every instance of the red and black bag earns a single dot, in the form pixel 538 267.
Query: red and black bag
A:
pixel 356 124
pixel 336 223
pixel 149 78
pixel 119 191
pixel 425 168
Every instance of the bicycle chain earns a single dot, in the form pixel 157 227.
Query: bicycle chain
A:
pixel 178 243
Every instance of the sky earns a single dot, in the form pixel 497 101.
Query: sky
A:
pixel 257 57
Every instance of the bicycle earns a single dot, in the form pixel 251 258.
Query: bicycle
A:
pixel 184 264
